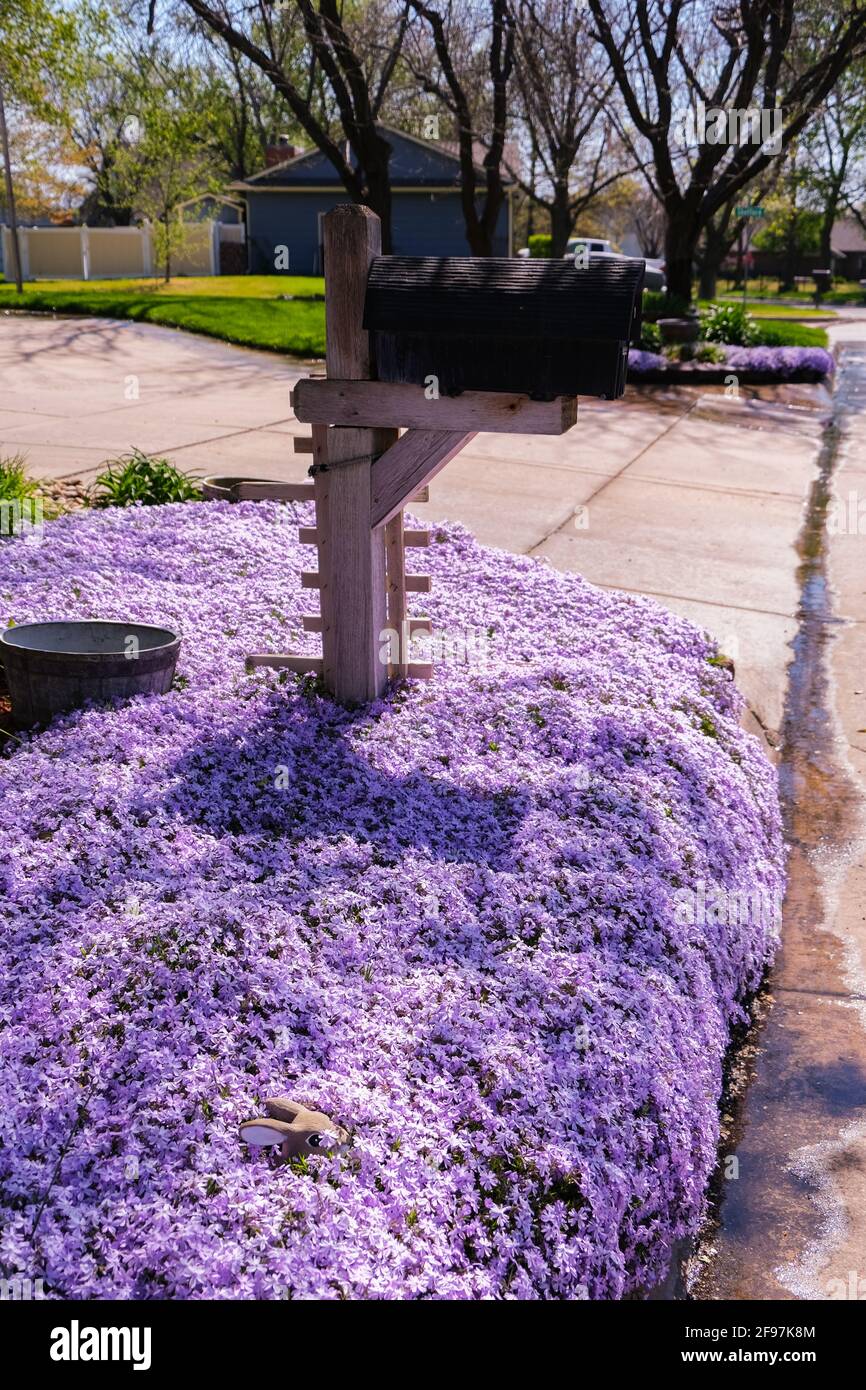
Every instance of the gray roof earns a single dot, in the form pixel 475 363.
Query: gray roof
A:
pixel 415 163
pixel 847 236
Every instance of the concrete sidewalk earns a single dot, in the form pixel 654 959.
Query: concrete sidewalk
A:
pixel 694 499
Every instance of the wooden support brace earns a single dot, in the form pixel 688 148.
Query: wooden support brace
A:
pixel 395 569
pixel 308 535
pixel 262 490
pixel 299 664
pixel 411 537
pixel 410 463
pixel 302 444
pixel 414 583
pixel 312 622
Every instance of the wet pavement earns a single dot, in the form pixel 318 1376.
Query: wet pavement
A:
pixel 792 1219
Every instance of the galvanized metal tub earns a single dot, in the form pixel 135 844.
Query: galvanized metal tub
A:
pixel 52 668
pixel 221 489
pixel 227 489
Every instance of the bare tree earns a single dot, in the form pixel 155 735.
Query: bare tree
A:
pixel 833 149
pixel 648 217
pixel 471 80
pixel 738 57
pixel 357 79
pixel 565 83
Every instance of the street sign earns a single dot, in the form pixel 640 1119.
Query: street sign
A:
pixel 750 212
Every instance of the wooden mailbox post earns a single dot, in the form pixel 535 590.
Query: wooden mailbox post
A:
pixel 441 348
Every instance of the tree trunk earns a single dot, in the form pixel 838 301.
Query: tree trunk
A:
pixel 478 234
pixel 741 258
pixel 372 154
pixel 560 221
pixel 790 261
pixel 681 237
pixel 480 241
pixel 715 249
pixel 10 196
pixel 709 278
pixel 379 200
pixel 831 208
pixel 530 202
pixel 494 202
pixel 825 249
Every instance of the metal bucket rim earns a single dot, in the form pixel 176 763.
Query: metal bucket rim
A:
pixel 7 636
pixel 230 482
pixel 223 482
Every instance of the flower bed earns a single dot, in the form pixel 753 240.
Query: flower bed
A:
pixel 449 921
pixel 753 366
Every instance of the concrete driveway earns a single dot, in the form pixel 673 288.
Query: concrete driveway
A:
pixel 694 499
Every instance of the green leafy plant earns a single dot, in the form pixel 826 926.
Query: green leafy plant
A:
pixel 14 482
pixel 679 352
pixel 650 338
pixel 540 245
pixel 658 304
pixel 709 352
pixel 138 477
pixel 16 487
pixel 730 323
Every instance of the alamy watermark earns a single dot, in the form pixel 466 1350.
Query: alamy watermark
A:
pixel 752 125
pixel 852 1288
pixel 23 517
pixel 474 646
pixel 77 1343
pixel 846 516
pixel 708 904
pixel 19 1288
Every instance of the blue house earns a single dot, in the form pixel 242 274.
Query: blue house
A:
pixel 287 201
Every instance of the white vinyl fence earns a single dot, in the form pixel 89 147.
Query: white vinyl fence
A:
pixel 105 253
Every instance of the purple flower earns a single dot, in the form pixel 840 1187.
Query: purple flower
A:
pixel 785 362
pixel 473 923
pixel 640 361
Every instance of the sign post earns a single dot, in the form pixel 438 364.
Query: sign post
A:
pixel 744 213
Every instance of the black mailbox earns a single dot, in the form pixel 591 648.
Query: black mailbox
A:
pixel 544 328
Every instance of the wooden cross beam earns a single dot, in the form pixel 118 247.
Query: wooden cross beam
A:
pixel 320 401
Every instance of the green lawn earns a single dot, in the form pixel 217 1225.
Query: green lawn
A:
pixel 252 309
pixel 843 291
pixel 245 309
pixel 761 309
pixel 792 334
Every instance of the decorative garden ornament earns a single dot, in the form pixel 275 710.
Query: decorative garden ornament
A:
pixel 295 1128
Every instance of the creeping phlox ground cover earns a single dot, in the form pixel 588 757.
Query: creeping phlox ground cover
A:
pixel 448 920
pixel 783 362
